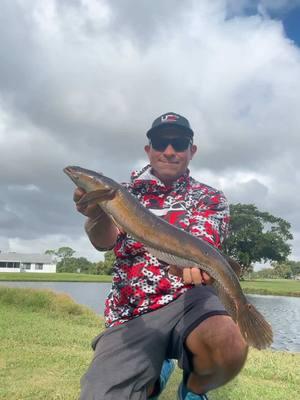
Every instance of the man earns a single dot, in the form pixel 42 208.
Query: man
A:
pixel 156 312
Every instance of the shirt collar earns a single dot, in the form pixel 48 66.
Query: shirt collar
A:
pixel 145 177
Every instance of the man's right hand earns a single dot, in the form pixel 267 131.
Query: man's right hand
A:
pixel 99 226
pixel 91 211
pixel 191 275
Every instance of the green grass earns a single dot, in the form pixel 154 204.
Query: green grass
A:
pixel 48 277
pixel 45 344
pixel 267 375
pixel 281 287
pixel 45 349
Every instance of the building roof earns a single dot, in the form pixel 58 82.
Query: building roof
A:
pixel 27 258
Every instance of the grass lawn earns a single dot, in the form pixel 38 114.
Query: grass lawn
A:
pixel 282 287
pixel 45 348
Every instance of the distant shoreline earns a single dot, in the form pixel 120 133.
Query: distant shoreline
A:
pixel 274 287
pixel 52 277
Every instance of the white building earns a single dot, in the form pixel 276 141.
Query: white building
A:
pixel 21 262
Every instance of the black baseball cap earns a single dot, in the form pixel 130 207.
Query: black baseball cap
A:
pixel 170 119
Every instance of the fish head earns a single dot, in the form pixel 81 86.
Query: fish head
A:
pixel 86 179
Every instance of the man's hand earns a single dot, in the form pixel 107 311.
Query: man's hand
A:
pixel 92 211
pixel 192 275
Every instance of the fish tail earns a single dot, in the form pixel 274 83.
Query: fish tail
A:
pixel 255 329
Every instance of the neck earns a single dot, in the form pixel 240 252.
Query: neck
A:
pixel 167 181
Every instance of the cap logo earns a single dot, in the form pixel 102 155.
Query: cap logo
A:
pixel 169 118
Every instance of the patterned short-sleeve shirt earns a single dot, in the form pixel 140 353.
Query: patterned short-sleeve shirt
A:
pixel 141 283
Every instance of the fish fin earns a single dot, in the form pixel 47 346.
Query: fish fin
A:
pixel 255 329
pixel 234 265
pixel 170 258
pixel 96 196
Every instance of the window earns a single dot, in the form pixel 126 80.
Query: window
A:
pixel 26 266
pixel 38 266
pixel 9 264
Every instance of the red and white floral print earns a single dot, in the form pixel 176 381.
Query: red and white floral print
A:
pixel 141 283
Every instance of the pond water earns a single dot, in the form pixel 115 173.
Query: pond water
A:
pixel 282 312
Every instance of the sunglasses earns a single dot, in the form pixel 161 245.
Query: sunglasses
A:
pixel 178 143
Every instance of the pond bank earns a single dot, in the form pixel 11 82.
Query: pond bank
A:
pixel 276 287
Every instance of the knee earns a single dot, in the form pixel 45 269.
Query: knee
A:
pixel 231 352
pixel 219 343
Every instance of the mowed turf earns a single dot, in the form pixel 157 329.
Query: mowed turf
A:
pixel 281 287
pixel 45 349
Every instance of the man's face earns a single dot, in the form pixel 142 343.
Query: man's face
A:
pixel 169 164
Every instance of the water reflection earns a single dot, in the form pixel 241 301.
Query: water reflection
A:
pixel 282 312
pixel 284 315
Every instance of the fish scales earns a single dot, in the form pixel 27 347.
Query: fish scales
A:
pixel 174 246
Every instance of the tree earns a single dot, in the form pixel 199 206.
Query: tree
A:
pixel 282 270
pixel 266 273
pixel 287 269
pixel 73 264
pixel 62 254
pixel 256 236
pixel 65 252
pixel 295 267
pixel 105 267
pixel 51 252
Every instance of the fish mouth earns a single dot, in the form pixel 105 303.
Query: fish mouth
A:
pixel 75 173
pixel 71 172
pixel 67 170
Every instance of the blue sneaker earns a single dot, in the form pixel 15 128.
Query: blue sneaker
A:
pixel 184 394
pixel 165 373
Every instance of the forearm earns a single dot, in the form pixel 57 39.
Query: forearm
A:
pixel 101 231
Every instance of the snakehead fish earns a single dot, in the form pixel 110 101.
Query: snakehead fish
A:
pixel 175 247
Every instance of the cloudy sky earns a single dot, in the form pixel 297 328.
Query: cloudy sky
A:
pixel 82 80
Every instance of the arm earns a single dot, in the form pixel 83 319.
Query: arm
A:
pixel 99 227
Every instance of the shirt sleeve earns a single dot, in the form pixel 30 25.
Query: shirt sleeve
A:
pixel 210 219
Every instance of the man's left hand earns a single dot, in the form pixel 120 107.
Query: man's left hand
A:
pixel 191 275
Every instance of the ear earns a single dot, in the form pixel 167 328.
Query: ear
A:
pixel 193 150
pixel 147 149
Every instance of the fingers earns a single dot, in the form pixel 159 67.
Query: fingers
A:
pixel 91 211
pixel 78 193
pixel 192 275
pixel 206 279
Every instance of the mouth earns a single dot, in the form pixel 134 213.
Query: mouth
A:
pixel 70 172
pixel 169 162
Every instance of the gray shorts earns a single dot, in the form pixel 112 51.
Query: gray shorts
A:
pixel 128 358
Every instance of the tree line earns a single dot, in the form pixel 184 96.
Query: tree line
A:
pixel 66 262
pixel 254 236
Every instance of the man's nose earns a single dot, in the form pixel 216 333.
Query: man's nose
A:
pixel 169 151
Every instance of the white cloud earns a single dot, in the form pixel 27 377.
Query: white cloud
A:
pixel 86 79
